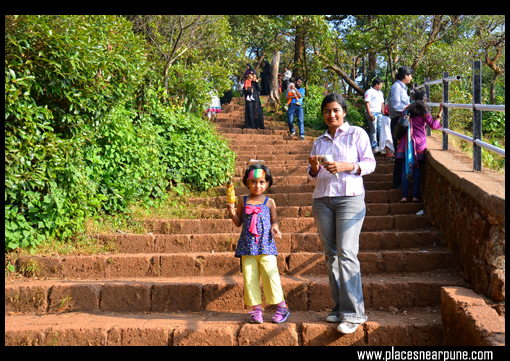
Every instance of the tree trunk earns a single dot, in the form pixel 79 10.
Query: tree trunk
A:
pixel 390 61
pixel 372 66
pixel 497 72
pixel 165 75
pixel 299 48
pixel 273 92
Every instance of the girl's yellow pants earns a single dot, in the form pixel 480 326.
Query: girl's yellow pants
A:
pixel 253 268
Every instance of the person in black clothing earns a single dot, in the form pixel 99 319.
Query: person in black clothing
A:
pixel 253 116
pixel 265 76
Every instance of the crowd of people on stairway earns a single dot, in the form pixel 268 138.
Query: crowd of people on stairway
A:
pixel 251 87
pixel 338 160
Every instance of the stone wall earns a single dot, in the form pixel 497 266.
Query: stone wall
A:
pixel 468 321
pixel 469 209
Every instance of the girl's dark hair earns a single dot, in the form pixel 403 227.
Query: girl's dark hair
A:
pixel 420 95
pixel 269 177
pixel 419 107
pixel 334 97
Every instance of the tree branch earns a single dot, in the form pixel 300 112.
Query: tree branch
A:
pixel 342 74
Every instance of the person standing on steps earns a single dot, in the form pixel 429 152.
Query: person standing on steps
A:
pixel 398 100
pixel 412 145
pixel 296 108
pixel 374 106
pixel 287 74
pixel 256 246
pixel 338 161
pixel 253 115
pixel 265 77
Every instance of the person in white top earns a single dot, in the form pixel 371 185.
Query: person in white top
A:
pixel 286 77
pixel 374 104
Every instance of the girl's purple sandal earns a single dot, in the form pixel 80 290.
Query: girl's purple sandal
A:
pixel 281 314
pixel 256 316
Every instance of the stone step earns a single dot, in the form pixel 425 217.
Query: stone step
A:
pixel 298 199
pixel 303 184
pixel 294 148
pixel 301 178
pixel 373 209
pixel 232 124
pixel 220 294
pixel 290 242
pixel 298 167
pixel 272 157
pixel 142 265
pixel 255 138
pixel 278 153
pixel 305 188
pixel 256 131
pixel 287 225
pixel 415 327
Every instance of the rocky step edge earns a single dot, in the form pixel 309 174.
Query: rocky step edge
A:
pixel 197 264
pixel 415 327
pixel 220 294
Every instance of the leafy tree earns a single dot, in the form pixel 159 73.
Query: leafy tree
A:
pixel 63 76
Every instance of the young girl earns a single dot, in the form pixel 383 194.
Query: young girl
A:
pixel 256 245
pixel 248 90
pixel 291 92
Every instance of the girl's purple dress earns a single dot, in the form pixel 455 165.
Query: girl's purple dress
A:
pixel 418 135
pixel 249 243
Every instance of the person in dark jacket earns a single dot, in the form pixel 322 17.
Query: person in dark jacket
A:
pixel 265 77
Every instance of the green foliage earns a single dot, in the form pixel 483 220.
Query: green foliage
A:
pixel 312 108
pixel 79 67
pixel 74 144
pixel 194 83
pixel 356 115
pixel 192 150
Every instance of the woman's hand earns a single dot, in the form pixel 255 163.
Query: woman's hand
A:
pixel 337 167
pixel 314 163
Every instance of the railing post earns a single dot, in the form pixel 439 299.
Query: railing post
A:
pixel 477 114
pixel 427 92
pixel 446 99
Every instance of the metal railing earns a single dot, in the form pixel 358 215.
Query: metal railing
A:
pixel 477 108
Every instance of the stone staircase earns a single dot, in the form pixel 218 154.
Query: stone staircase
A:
pixel 181 285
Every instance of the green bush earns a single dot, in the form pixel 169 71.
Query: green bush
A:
pixel 356 115
pixel 74 143
pixel 192 150
pixel 312 108
pixel 63 76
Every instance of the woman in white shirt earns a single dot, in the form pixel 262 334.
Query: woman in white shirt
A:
pixel 339 207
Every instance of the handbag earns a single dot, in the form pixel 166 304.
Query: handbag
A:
pixel 402 125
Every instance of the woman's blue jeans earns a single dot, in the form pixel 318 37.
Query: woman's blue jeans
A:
pixel 339 221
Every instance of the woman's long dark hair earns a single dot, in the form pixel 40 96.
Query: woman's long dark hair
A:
pixel 419 107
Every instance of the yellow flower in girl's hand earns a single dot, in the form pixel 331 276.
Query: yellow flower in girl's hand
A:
pixel 231 194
